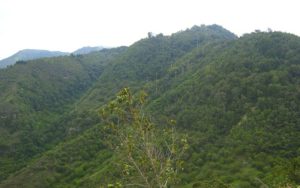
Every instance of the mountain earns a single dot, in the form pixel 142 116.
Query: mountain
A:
pixel 39 93
pixel 29 54
pixel 86 50
pixel 237 99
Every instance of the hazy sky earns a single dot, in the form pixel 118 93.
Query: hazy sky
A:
pixel 66 25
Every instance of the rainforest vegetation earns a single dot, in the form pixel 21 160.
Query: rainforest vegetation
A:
pixel 232 102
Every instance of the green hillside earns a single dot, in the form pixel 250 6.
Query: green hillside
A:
pixel 35 99
pixel 242 108
pixel 237 99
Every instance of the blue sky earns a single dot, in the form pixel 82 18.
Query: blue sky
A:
pixel 66 25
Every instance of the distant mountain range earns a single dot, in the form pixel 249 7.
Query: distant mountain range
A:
pixel 30 54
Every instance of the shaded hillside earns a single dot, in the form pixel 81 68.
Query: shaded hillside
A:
pixel 35 96
pixel 29 54
pixel 237 98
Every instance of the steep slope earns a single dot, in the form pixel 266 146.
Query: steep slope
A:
pixel 238 99
pixel 240 103
pixel 29 54
pixel 35 98
pixel 130 66
pixel 148 60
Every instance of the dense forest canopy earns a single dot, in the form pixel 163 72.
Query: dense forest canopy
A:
pixel 237 99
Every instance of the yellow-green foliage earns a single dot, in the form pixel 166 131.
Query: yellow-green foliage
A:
pixel 148 155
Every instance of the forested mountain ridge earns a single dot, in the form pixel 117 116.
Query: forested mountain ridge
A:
pixel 149 59
pixel 237 98
pixel 35 95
